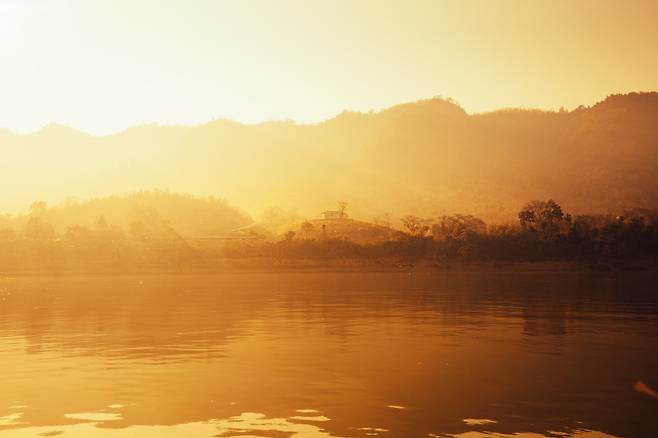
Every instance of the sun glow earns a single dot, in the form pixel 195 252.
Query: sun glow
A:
pixel 103 66
pixel 12 15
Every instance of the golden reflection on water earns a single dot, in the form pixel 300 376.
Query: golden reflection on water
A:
pixel 579 433
pixel 477 421
pixel 320 355
pixel 253 424
pixel 95 416
pixel 11 419
pixel 245 425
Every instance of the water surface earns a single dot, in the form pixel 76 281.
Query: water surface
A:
pixel 329 355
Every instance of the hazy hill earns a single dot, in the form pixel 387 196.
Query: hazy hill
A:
pixel 187 215
pixel 428 158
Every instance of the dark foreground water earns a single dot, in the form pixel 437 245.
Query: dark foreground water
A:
pixel 329 355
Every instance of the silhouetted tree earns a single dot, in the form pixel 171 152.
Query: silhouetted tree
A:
pixel 416 225
pixel 543 216
pixel 458 227
pixel 342 207
pixel 307 228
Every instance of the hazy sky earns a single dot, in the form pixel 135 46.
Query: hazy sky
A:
pixel 103 65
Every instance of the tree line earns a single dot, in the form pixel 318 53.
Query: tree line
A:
pixel 544 232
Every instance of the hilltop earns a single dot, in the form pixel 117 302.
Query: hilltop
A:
pixel 347 229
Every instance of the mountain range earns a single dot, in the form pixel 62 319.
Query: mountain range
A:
pixel 427 158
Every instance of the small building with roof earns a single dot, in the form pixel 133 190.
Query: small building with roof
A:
pixel 334 214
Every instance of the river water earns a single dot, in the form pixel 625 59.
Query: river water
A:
pixel 329 355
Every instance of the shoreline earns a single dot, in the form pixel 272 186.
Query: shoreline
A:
pixel 247 266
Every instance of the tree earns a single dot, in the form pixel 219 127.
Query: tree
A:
pixel 289 236
pixel 416 225
pixel 342 206
pixel 543 216
pixel 458 227
pixel 307 228
pixel 526 217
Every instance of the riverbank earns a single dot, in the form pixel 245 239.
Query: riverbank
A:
pixel 246 265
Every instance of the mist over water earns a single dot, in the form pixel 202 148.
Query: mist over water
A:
pixel 325 354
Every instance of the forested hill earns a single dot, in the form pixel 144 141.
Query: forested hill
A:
pixel 427 158
pixel 185 215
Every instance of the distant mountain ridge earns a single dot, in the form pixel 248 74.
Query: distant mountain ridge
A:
pixel 428 158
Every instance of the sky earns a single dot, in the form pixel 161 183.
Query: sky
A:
pixel 104 65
